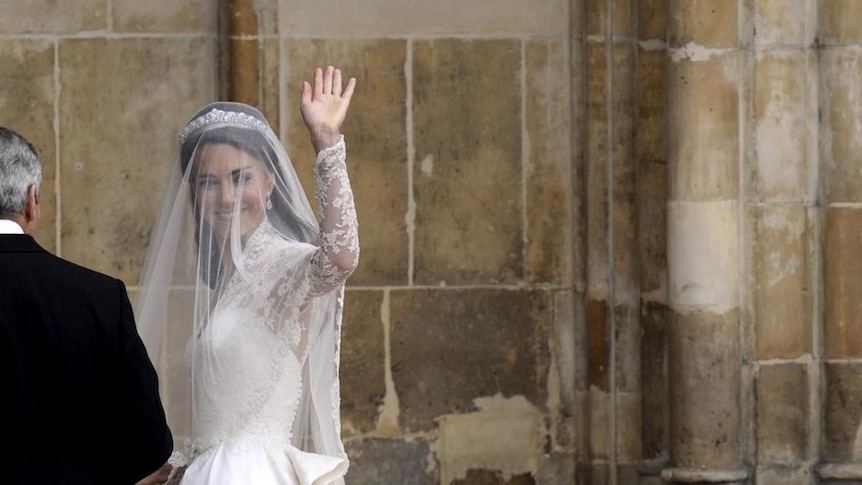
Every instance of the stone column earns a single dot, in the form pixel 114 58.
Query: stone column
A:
pixel 840 37
pixel 780 241
pixel 703 242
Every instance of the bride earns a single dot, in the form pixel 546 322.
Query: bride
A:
pixel 239 256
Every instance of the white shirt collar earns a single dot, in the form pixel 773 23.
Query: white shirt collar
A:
pixel 10 227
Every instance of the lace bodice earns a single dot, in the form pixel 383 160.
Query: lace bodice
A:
pixel 247 358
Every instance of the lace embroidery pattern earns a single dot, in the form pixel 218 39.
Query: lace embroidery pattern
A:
pixel 217 117
pixel 339 228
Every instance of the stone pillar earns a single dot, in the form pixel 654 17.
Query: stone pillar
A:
pixel 781 220
pixel 651 160
pixel 612 269
pixel 840 188
pixel 703 242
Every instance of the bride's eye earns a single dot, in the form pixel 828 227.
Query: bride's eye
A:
pixel 207 182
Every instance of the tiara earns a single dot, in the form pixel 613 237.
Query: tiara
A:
pixel 219 117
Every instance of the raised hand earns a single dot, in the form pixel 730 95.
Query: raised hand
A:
pixel 324 107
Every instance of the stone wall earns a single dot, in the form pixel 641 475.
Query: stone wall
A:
pixel 604 241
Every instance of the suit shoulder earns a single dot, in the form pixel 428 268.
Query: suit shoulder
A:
pixel 80 275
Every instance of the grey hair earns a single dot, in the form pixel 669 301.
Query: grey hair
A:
pixel 19 169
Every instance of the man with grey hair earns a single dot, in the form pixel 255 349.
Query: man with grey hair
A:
pixel 78 394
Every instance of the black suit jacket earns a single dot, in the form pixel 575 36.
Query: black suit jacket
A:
pixel 78 395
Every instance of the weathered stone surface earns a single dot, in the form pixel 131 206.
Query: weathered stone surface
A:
pixel 452 347
pixel 783 259
pixel 556 469
pixel 654 384
pixel 704 389
pixel 468 173
pixel 504 438
pixel 628 420
pixel 842 410
pixel 652 19
pixel 703 255
pixel 385 18
pixel 119 119
pixel 363 381
pixel 53 17
pixel 548 164
pixel 382 461
pixel 600 430
pixel 27 107
pixel 596 184
pixel 650 84
pixel 624 182
pixel 270 81
pixel 627 347
pixel 164 16
pixel 599 344
pixel 839 22
pixel 786 124
pixel 376 140
pixel 703 136
pixel 784 476
pixel 605 17
pixel 785 22
pixel 842 285
pixel 782 414
pixel 708 23
pixel 840 145
pixel 493 477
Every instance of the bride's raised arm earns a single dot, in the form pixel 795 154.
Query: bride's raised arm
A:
pixel 324 107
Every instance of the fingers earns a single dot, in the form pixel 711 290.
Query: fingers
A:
pixel 327 80
pixel 336 83
pixel 348 91
pixel 306 92
pixel 318 81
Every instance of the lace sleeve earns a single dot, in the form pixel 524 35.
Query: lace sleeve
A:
pixel 338 254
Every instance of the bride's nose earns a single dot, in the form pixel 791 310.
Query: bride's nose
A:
pixel 227 195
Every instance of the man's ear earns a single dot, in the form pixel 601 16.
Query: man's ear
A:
pixel 31 208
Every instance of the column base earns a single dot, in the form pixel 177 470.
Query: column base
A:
pixel 840 471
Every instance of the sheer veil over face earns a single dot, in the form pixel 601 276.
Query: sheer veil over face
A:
pixel 228 264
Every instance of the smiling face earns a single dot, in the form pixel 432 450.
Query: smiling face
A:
pixel 230 183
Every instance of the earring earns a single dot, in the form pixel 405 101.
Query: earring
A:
pixel 268 202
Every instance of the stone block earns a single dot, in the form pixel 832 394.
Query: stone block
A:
pixel 610 18
pixel 707 23
pixel 840 145
pixel 27 100
pixel 704 389
pixel 363 362
pixel 652 229
pixel 376 156
pixel 595 186
pixel 839 22
pixel 503 443
pixel 375 461
pixel 451 347
pixel 703 255
pixel 783 259
pixel 783 395
pixel 785 22
pixel 652 20
pixel 493 477
pixel 703 132
pixel 468 172
pixel 842 412
pixel 650 83
pixel 53 17
pixel 779 475
pixel 169 16
pixel 629 428
pixel 842 285
pixel 119 121
pixel 389 18
pixel 548 164
pixel 270 85
pixel 556 469
pixel 600 430
pixel 627 333
pixel 786 125
pixel 654 383
pixel 598 326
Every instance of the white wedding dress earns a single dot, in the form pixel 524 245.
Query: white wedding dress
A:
pixel 252 342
